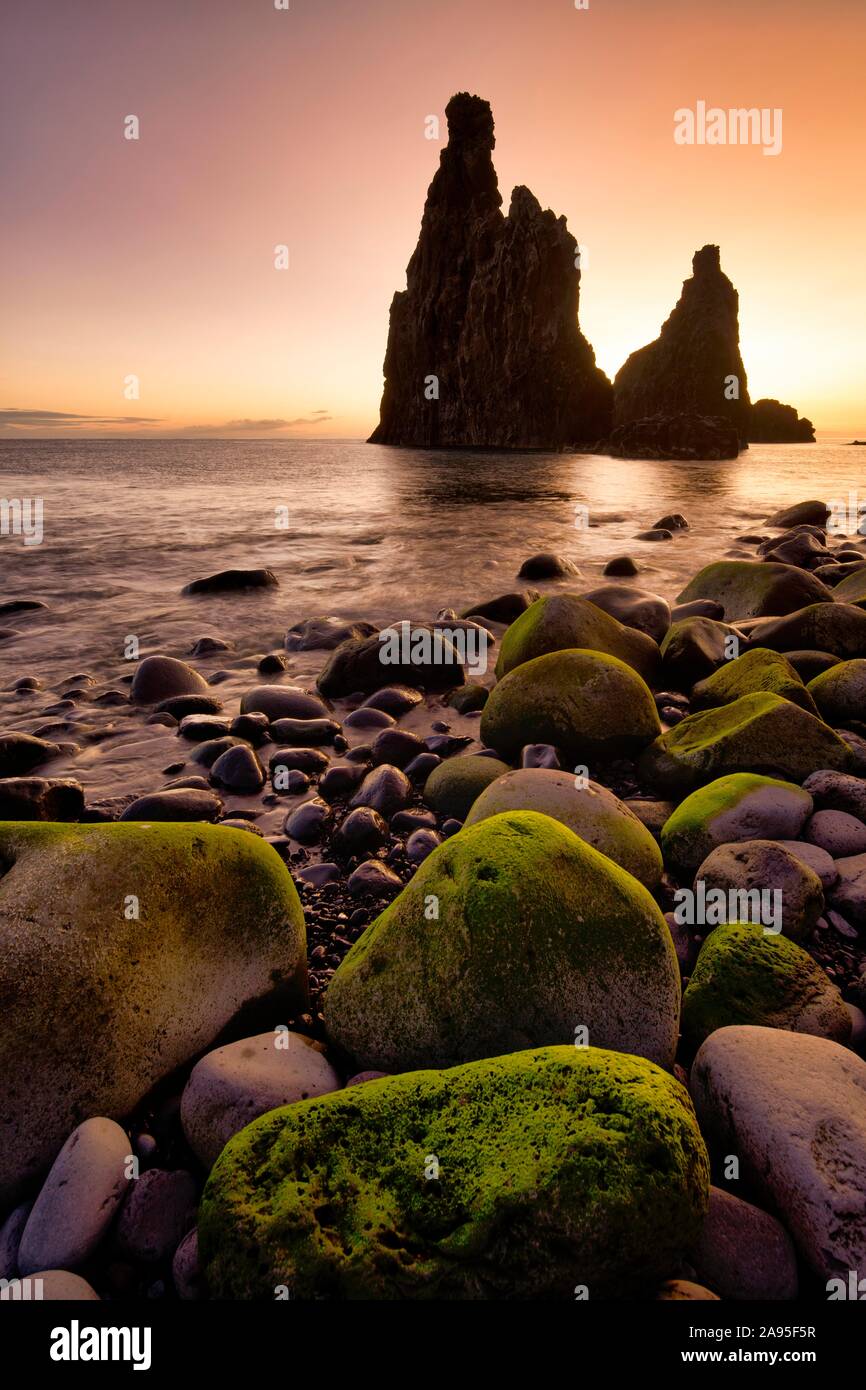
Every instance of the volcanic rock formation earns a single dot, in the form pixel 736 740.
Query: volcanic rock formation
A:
pixel 484 348
pixel 694 365
pixel 774 423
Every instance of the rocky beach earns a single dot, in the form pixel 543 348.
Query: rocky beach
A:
pixel 512 949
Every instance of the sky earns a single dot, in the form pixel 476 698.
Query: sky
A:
pixel 148 266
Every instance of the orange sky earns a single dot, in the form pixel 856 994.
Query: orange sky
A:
pixel 306 127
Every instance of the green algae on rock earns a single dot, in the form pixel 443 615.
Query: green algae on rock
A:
pixel 559 621
pixel 452 787
pixel 126 949
pixel 835 627
pixel 589 705
pixel 757 669
pixel 521 1176
pixel 514 933
pixel 744 975
pixel 840 693
pixel 753 589
pixel 590 810
pixel 756 733
pixel 741 806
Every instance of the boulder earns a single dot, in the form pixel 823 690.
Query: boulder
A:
pixel 682 435
pixel 793 1108
pixel 840 693
pixel 757 669
pixel 744 1253
pixel 834 791
pixel 764 864
pixel 179 804
pixel 589 705
pixel 635 608
pixel 848 894
pixel 839 834
pixel 693 649
pixel 235 1084
pixel 741 806
pixel 453 786
pixel 838 628
pixel 78 1200
pixel 812 513
pixel 324 634
pixel 749 590
pixel 232 581
pixel 125 949
pixel 757 733
pixel 282 702
pixel 156 1216
pixel 547 566
pixel 159 678
pixel 411 654
pixel 745 975
pixel 509 1178
pixel 512 933
pixel 41 798
pixel 560 621
pixel 20 753
pixel 589 810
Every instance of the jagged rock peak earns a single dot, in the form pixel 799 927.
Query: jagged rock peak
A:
pixel 484 348
pixel 694 365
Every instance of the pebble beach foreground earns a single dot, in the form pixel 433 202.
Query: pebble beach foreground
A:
pixel 429 980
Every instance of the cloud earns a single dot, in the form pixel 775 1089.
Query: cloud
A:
pixel 259 426
pixel 65 419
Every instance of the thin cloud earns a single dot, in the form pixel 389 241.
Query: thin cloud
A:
pixel 65 419
pixel 259 426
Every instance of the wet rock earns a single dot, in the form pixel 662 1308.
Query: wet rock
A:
pixel 407 653
pixel 848 895
pixel 375 879
pixel 386 789
pixel 634 608
pixel 310 761
pixel 271 664
pixel 835 791
pixel 395 700
pixel 41 798
pixel 340 779
pixel 207 753
pixel 175 805
pixel 547 566
pixel 621 566
pixel 232 581
pixel 317 875
pixel 505 608
pixel 232 1086
pixel 452 788
pixel 307 823
pixel 813 513
pixel 183 705
pixel 365 718
pixel 304 732
pixel 157 1214
pixel 159 678
pixel 20 753
pixel 205 645
pixel 282 702
pixel 252 728
pixel 362 831
pixel 239 770
pixel 694 649
pixel 467 697
pixel 324 634
pixel 397 747
pixel 421 843
pixel 420 768
pixel 564 621
pixel 697 608
pixel 835 627
pixel 78 1200
pixel 199 727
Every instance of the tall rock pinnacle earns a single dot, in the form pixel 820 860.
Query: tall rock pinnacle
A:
pixel 694 365
pixel 484 348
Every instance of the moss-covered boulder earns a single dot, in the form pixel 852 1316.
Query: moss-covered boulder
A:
pixel 742 806
pixel 125 950
pixel 852 589
pixel 838 628
pixel 452 787
pixel 757 733
pixel 744 975
pixel 749 589
pixel 467 697
pixel 515 1177
pixel 514 933
pixel 558 621
pixel 757 669
pixel 840 693
pixel 587 808
pixel 588 705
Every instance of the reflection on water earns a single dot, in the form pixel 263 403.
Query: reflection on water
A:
pixel 372 532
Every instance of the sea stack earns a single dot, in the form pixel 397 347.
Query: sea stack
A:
pixel 484 348
pixel 694 366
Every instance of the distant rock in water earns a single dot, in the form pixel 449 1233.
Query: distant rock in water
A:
pixel 688 369
pixel 685 435
pixel 774 423
pixel 484 348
